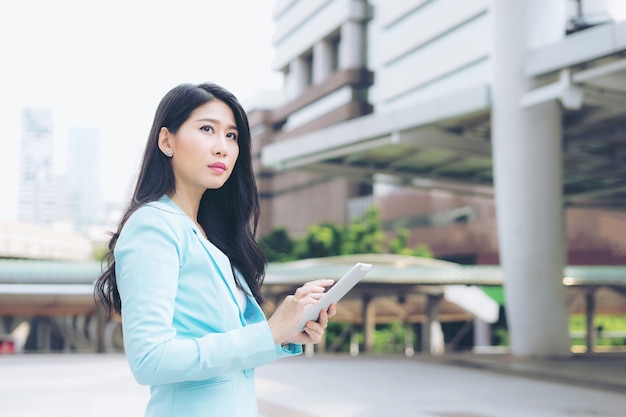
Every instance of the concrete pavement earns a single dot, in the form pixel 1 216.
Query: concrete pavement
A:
pixel 436 387
pixel 89 385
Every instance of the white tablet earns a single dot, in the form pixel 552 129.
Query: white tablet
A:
pixel 335 293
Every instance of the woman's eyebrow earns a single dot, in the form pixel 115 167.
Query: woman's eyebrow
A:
pixel 216 121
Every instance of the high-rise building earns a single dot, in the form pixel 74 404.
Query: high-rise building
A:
pixel 83 188
pixel 37 196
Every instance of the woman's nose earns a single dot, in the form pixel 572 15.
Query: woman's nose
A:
pixel 219 146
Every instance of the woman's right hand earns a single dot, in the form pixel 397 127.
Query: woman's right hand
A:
pixel 289 313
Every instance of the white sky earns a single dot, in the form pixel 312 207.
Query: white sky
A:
pixel 106 64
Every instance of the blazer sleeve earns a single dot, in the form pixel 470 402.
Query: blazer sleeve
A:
pixel 147 260
pixel 289 350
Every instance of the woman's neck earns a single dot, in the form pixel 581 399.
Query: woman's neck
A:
pixel 189 204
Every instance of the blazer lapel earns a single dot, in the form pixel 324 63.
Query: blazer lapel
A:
pixel 220 261
pixel 253 313
pixel 223 267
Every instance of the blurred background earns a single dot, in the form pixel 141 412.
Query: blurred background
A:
pixel 377 129
pixel 86 77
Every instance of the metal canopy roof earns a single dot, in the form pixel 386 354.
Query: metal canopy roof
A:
pixel 388 269
pixel 445 143
pixel 31 271
pixel 399 284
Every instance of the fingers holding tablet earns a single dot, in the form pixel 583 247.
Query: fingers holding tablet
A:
pixel 317 286
pixel 335 293
pixel 303 316
pixel 282 323
pixel 313 290
pixel 315 329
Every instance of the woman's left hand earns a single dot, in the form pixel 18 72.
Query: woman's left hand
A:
pixel 314 330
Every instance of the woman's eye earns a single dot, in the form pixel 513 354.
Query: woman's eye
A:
pixel 207 128
pixel 232 136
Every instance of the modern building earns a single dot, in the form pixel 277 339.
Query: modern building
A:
pixel 492 130
pixel 326 82
pixel 84 192
pixel 38 184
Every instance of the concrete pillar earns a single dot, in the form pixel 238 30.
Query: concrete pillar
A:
pixel 298 77
pixel 409 343
pixel 321 346
pixel 432 333
pixel 369 323
pixel 590 307
pixel 99 333
pixel 309 350
pixel 351 45
pixel 528 181
pixel 354 342
pixel 44 335
pixel 482 333
pixel 322 61
pixel 6 323
pixel 425 339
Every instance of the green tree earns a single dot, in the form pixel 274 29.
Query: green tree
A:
pixel 364 234
pixel 99 251
pixel 277 245
pixel 322 240
pixel 399 245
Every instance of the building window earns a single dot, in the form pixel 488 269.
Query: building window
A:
pixel 308 63
pixel 334 44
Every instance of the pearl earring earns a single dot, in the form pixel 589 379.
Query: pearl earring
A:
pixel 169 153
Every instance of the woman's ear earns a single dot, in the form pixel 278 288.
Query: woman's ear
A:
pixel 164 142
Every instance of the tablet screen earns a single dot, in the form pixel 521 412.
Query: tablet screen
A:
pixel 336 292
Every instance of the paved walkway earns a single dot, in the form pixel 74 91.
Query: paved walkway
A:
pixel 88 385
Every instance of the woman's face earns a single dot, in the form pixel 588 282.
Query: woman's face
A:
pixel 205 148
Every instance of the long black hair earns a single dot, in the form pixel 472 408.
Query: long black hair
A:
pixel 229 215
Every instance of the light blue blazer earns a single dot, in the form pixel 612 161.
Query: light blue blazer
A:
pixel 185 333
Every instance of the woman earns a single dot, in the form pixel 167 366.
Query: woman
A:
pixel 185 271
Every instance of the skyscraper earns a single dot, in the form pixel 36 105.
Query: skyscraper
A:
pixel 84 196
pixel 37 195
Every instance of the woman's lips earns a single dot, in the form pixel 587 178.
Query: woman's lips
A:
pixel 217 167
